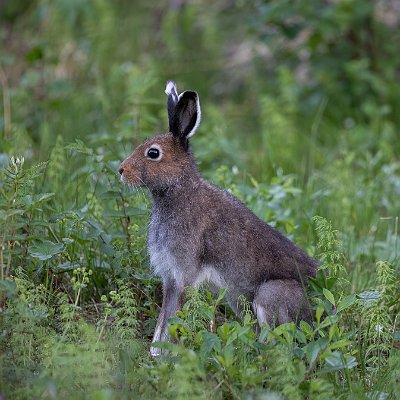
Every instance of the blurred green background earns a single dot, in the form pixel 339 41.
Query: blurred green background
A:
pixel 305 88
pixel 298 81
pixel 283 84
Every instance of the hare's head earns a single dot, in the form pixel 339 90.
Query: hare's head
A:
pixel 164 159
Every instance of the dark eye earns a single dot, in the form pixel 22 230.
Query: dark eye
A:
pixel 153 153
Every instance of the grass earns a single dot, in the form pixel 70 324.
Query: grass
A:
pixel 79 305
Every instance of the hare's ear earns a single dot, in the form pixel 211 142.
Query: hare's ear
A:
pixel 186 117
pixel 172 94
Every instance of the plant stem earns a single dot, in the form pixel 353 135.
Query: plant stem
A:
pixel 6 104
pixel 2 257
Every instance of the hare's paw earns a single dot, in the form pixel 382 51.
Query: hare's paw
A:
pixel 155 351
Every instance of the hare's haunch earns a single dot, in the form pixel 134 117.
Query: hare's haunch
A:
pixel 199 232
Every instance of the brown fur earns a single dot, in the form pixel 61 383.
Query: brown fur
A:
pixel 199 232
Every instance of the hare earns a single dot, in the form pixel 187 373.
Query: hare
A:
pixel 199 232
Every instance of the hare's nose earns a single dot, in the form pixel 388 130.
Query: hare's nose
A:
pixel 121 170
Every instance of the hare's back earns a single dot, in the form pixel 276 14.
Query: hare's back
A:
pixel 245 245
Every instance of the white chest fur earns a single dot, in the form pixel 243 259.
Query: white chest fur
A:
pixel 162 259
pixel 211 275
pixel 164 263
pixel 183 270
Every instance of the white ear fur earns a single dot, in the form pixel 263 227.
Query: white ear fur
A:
pixel 198 109
pixel 170 89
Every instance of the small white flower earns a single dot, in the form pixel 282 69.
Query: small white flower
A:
pixel 17 163
pixel 379 328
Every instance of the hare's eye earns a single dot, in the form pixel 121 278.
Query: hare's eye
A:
pixel 153 153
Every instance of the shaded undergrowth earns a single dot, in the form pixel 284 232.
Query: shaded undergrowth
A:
pixel 78 305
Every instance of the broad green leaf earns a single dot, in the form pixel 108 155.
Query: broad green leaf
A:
pixel 32 201
pixel 67 266
pixel 329 320
pixel 369 297
pixel 8 288
pixel 346 302
pixel 206 313
pixel 264 332
pixel 176 321
pixel 221 295
pixel 306 328
pixel 319 312
pixel 72 214
pixel 209 341
pixel 337 360
pixel 223 331
pixel 329 296
pixel 313 349
pixel 45 249
pixel 300 336
pixel 4 215
pixel 229 355
pixel 339 344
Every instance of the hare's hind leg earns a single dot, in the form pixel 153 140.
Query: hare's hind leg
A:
pixel 279 301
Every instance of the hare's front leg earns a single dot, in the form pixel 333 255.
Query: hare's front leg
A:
pixel 173 299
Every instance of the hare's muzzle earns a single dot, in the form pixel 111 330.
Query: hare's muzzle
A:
pixel 129 174
pixel 122 168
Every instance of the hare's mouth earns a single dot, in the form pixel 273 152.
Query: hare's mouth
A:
pixel 132 181
pixel 125 180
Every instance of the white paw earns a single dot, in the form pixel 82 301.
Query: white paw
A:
pixel 155 352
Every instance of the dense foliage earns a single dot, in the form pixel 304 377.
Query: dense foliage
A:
pixel 300 120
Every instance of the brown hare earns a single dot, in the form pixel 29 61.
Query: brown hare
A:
pixel 199 232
